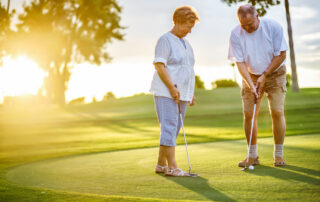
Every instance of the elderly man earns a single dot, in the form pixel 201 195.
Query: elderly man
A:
pixel 259 48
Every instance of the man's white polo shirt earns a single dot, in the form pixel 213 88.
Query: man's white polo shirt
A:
pixel 258 48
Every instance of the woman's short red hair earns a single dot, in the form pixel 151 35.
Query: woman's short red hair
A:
pixel 184 14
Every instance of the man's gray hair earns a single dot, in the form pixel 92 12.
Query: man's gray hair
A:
pixel 246 9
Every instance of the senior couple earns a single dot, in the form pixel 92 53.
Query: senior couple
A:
pixel 258 47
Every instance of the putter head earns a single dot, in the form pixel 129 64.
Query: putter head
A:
pixel 250 167
pixel 193 175
pixel 244 168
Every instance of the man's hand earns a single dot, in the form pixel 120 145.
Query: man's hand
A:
pixel 175 94
pixel 193 102
pixel 254 90
pixel 260 84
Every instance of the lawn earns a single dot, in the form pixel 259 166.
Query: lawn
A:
pixel 107 151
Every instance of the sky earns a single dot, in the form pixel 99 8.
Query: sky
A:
pixel 131 69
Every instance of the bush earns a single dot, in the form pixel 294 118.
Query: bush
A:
pixel 289 81
pixel 199 83
pixel 224 83
pixel 109 95
pixel 79 100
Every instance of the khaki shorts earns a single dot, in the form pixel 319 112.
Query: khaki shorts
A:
pixel 275 87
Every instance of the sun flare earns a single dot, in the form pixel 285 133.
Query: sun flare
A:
pixel 20 76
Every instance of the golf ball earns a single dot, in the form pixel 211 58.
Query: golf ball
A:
pixel 251 167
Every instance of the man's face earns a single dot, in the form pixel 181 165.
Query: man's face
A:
pixel 250 23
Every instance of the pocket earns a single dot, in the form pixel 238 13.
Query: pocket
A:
pixel 282 70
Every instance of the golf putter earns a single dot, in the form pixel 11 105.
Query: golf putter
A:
pixel 185 141
pixel 251 131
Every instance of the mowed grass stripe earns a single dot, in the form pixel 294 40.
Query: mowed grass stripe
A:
pixel 33 133
pixel 130 173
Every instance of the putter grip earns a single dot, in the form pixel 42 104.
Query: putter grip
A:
pixel 175 85
pixel 255 98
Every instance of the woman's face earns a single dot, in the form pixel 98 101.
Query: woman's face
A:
pixel 185 28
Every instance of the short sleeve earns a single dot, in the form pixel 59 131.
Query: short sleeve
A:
pixel 279 42
pixel 162 51
pixel 235 50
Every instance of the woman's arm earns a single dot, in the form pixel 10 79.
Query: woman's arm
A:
pixel 164 76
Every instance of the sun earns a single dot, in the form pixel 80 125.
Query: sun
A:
pixel 20 76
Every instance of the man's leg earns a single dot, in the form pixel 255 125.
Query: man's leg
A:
pixel 248 105
pixel 248 121
pixel 276 99
pixel 253 152
pixel 278 125
pixel 276 102
pixel 275 87
pixel 278 128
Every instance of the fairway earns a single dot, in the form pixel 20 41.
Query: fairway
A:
pixel 107 151
pixel 130 173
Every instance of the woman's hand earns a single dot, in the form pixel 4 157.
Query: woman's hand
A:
pixel 175 94
pixel 193 102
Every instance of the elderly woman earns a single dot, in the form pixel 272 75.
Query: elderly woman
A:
pixel 173 82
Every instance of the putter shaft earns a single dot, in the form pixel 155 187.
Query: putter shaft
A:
pixel 185 139
pixel 251 131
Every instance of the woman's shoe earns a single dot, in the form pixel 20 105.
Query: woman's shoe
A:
pixel 176 173
pixel 161 169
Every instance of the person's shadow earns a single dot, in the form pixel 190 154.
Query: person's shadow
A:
pixel 201 186
pixel 288 173
pixel 303 170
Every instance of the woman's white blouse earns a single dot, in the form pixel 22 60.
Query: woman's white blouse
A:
pixel 179 62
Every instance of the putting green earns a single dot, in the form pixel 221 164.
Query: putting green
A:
pixel 130 173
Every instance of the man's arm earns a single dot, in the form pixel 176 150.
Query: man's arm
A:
pixel 164 76
pixel 275 63
pixel 246 76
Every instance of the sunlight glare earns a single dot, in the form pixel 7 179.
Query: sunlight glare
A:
pixel 20 76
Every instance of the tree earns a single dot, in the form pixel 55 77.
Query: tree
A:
pixel 8 6
pixel 262 10
pixel 288 79
pixel 234 72
pixel 199 83
pixel 294 78
pixel 60 33
pixel 5 20
pixel 224 83
pixel 109 95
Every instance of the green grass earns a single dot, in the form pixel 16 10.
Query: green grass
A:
pixel 29 134
pixel 130 173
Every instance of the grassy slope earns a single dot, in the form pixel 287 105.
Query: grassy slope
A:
pixel 130 173
pixel 31 134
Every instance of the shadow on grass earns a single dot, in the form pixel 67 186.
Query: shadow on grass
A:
pixel 303 170
pixel 284 173
pixel 200 186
